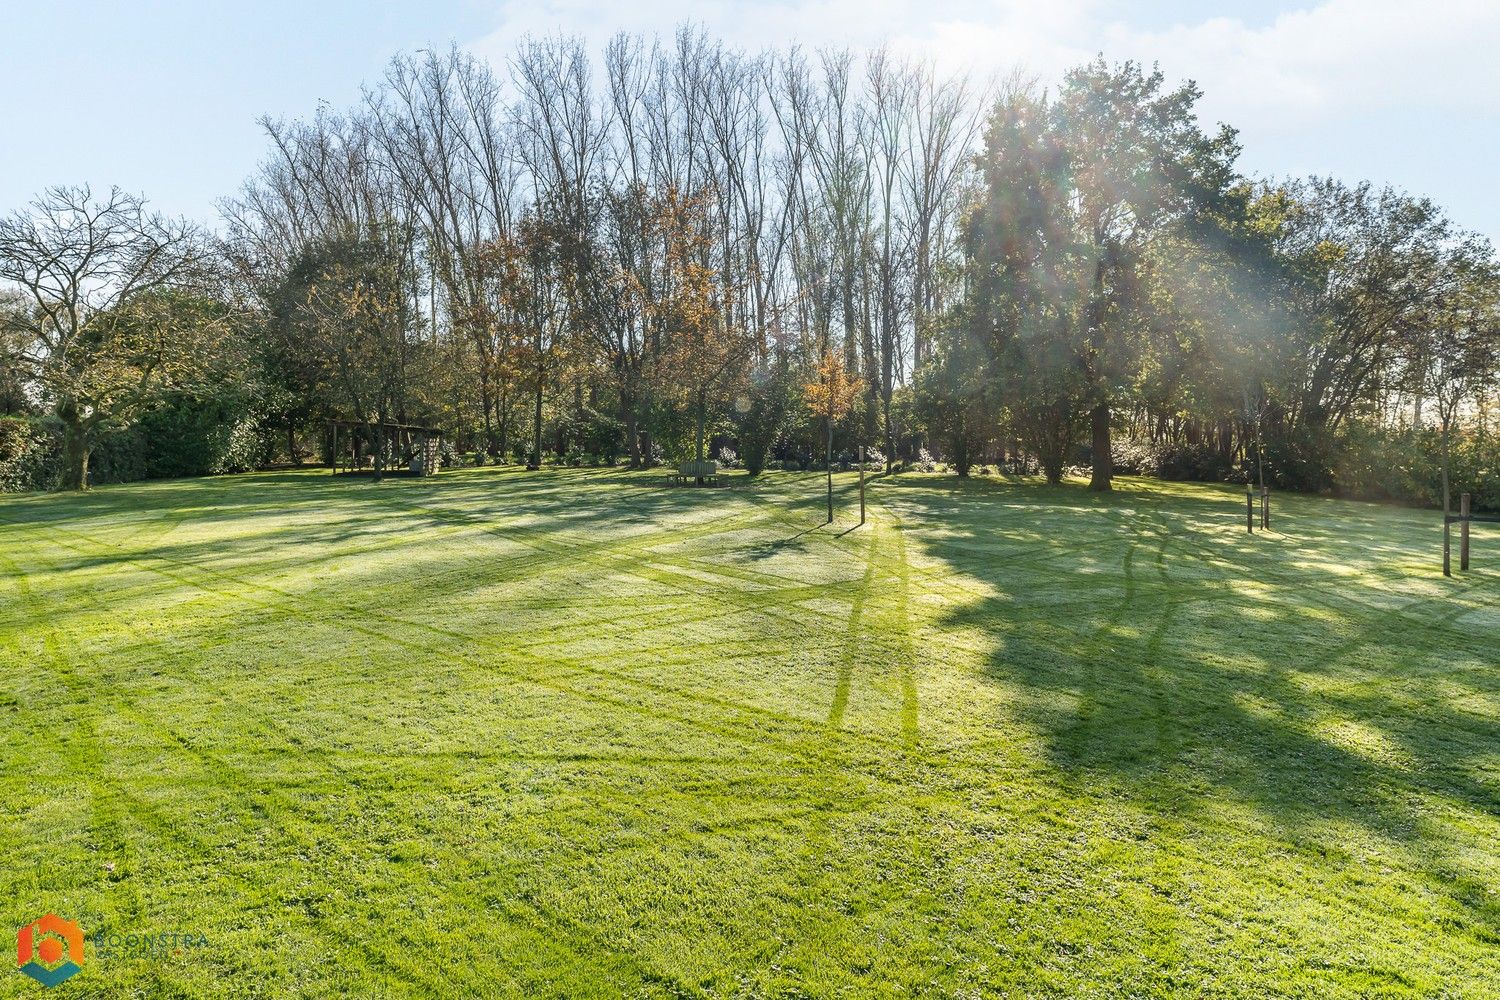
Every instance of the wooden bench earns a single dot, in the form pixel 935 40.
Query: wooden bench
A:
pixel 691 473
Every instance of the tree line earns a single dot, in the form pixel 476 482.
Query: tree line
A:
pixel 803 257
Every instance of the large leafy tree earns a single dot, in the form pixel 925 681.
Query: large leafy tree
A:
pixel 1137 166
pixel 1024 309
pixel 704 350
pixel 1370 267
pixel 1214 327
pixel 1081 198
pixel 119 309
pixel 343 300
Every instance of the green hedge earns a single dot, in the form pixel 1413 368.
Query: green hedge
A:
pixel 1174 460
pixel 30 455
pixel 183 436
pixel 1374 463
pixel 186 436
pixel 1360 462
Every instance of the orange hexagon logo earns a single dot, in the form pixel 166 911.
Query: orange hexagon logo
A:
pixel 50 950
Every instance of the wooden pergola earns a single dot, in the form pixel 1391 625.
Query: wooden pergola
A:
pixel 411 449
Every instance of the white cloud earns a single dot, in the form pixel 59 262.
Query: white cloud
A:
pixel 1392 90
pixel 1337 57
pixel 1341 57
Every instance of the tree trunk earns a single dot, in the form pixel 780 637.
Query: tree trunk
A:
pixel 830 470
pixel 536 437
pixel 502 408
pixel 702 408
pixel 488 406
pixel 890 435
pixel 1447 568
pixel 632 430
pixel 1104 465
pixel 75 458
pixel 1052 467
pixel 1260 455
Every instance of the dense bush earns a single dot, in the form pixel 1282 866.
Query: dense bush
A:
pixel 1362 461
pixel 30 455
pixel 1376 463
pixel 186 436
pixel 1176 460
pixel 593 432
pixel 673 431
pixel 1300 458
pixel 604 435
pixel 1182 461
pixel 119 456
pixel 762 413
pixel 1133 457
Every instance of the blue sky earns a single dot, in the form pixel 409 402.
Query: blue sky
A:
pixel 162 98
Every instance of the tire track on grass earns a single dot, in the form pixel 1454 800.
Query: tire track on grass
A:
pixel 807 728
pixel 106 825
pixel 237 784
pixel 286 605
pixel 806 739
pixel 1381 622
pixel 689 588
pixel 907 649
pixel 306 838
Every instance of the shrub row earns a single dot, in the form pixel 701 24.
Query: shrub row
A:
pixel 1361 461
pixel 182 437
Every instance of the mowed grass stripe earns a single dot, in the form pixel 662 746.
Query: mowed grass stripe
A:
pixel 1086 746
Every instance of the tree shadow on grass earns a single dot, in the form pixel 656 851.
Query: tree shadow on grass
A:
pixel 253 531
pixel 796 542
pixel 1161 657
pixel 310 508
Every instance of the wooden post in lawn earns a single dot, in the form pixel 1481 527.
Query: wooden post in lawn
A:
pixel 1265 508
pixel 861 489
pixel 1447 526
pixel 831 396
pixel 1250 508
pixel 1463 531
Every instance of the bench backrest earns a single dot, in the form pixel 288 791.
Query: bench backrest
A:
pixel 697 469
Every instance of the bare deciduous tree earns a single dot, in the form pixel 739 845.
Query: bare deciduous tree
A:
pixel 112 316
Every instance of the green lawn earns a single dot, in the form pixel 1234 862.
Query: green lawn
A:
pixel 573 734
